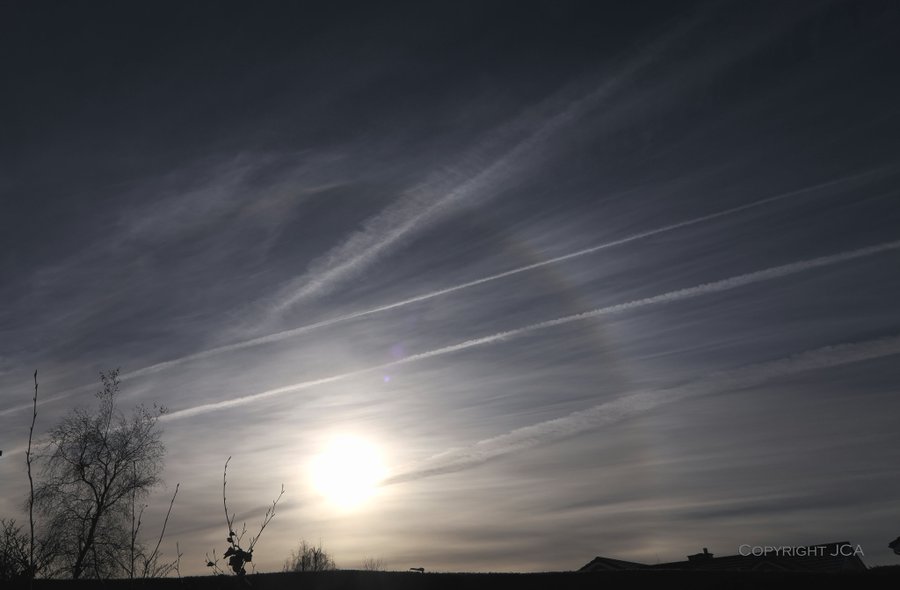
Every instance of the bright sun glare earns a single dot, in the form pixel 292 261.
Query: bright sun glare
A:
pixel 347 472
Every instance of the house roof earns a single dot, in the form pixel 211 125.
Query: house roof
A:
pixel 605 564
pixel 825 557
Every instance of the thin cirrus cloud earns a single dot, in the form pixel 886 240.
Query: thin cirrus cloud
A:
pixel 438 197
pixel 727 284
pixel 209 212
pixel 293 332
pixel 528 137
pixel 633 404
pixel 849 181
pixel 420 208
pixel 497 263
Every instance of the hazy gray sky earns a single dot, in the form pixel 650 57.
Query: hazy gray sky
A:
pixel 591 279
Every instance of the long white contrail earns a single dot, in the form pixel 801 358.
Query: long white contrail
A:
pixel 394 222
pixel 619 409
pixel 431 202
pixel 293 332
pixel 668 297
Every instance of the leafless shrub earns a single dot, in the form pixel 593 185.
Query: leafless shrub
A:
pixel 14 562
pixel 374 564
pixel 144 563
pixel 237 556
pixel 309 558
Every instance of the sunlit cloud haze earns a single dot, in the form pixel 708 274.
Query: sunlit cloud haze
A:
pixel 588 279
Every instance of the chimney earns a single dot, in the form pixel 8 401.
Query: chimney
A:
pixel 700 556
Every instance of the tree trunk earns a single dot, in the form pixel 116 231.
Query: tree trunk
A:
pixel 78 568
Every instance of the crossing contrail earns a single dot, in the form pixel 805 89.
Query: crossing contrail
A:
pixel 433 201
pixel 622 408
pixel 293 332
pixel 663 298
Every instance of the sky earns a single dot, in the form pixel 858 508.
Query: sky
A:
pixel 561 279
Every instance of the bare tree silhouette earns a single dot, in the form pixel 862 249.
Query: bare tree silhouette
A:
pixel 97 462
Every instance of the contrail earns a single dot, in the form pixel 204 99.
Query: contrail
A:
pixel 559 119
pixel 668 297
pixel 293 332
pixel 624 407
pixel 404 218
pixel 399 221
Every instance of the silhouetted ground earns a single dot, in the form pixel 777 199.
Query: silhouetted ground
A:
pixel 353 580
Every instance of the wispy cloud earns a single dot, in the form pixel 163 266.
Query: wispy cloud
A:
pixel 630 405
pixel 187 210
pixel 663 298
pixel 847 181
pixel 526 138
pixel 211 212
pixel 477 254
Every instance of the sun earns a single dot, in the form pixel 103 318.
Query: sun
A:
pixel 347 472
